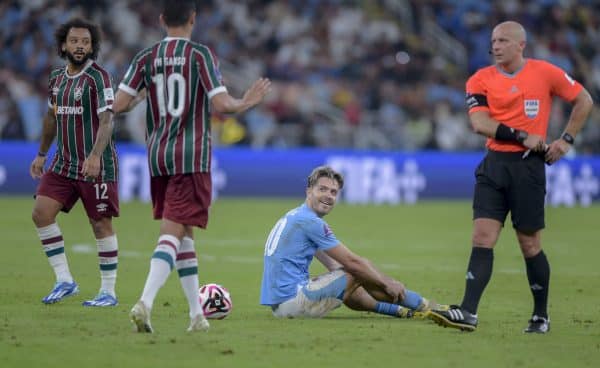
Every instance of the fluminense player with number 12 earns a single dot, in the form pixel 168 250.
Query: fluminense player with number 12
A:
pixel 80 98
pixel 181 82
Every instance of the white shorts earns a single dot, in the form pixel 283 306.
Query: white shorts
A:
pixel 317 298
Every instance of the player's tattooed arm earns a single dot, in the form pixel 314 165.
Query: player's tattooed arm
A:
pixel 91 165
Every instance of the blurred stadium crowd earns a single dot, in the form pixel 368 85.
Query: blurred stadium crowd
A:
pixel 370 74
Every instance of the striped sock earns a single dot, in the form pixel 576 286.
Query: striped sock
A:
pixel 108 250
pixel 161 264
pixel 187 268
pixel 54 246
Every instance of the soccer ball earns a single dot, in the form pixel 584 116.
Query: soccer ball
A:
pixel 215 301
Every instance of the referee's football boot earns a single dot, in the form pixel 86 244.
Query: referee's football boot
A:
pixel 537 324
pixel 60 291
pixel 454 317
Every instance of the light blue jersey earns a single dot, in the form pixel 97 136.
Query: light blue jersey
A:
pixel 289 250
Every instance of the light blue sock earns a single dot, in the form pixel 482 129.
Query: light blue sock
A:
pixel 387 308
pixel 412 300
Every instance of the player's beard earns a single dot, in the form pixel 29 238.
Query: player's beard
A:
pixel 78 62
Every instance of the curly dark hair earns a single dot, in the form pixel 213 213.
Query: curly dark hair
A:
pixel 177 12
pixel 61 35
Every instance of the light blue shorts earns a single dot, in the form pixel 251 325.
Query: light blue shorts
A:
pixel 315 299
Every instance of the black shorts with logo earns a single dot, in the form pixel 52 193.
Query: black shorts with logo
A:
pixel 507 182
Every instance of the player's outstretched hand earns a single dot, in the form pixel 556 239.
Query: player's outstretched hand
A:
pixel 556 150
pixel 257 91
pixel 37 167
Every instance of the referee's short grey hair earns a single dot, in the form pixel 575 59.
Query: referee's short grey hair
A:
pixel 327 172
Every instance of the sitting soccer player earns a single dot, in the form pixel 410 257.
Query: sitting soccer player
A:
pixel 302 234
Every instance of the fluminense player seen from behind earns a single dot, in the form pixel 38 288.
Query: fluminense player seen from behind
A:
pixel 302 234
pixel 80 98
pixel 510 103
pixel 181 82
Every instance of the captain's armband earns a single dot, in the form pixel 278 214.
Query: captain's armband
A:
pixel 476 100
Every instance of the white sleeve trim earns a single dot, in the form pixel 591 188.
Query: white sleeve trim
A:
pixel 50 104
pixel 216 91
pixel 102 109
pixel 128 90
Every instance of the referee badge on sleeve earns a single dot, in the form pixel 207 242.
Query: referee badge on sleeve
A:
pixel 532 107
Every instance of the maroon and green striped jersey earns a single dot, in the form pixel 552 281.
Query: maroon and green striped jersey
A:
pixel 180 77
pixel 77 100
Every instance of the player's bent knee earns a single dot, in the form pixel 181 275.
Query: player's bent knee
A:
pixel 42 218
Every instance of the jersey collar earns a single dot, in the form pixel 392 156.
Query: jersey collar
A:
pixel 513 74
pixel 87 65
pixel 175 38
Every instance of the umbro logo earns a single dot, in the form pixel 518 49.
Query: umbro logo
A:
pixel 101 207
pixel 470 276
pixel 536 287
pixel 514 89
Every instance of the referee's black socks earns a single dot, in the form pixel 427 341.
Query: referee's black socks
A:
pixel 478 276
pixel 538 274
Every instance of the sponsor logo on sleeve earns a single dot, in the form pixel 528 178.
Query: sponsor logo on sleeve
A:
pixel 109 94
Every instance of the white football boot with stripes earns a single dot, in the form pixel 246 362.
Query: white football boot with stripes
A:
pixel 454 317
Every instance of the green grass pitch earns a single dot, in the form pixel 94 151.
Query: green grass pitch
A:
pixel 426 246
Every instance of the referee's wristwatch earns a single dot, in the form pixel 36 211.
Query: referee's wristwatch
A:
pixel 568 138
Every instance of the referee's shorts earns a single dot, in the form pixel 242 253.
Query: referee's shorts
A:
pixel 505 181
